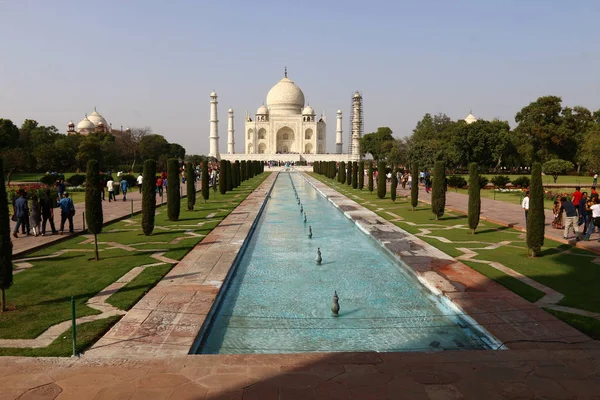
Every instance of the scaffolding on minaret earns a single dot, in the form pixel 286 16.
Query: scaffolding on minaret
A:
pixel 356 123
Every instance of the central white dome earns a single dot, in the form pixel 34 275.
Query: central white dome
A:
pixel 97 118
pixel 285 98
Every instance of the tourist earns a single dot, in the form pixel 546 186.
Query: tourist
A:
pixel 102 186
pixel 595 208
pixel 525 205
pixel 159 186
pixel 60 187
pixel 576 196
pixel 47 207
pixel 570 218
pixel 595 182
pixel 123 186
pixel 67 211
pixel 35 215
pixel 20 212
pixel 581 209
pixel 409 181
pixel 139 182
pixel 110 185
pixel 593 192
pixel 557 222
pixel 427 183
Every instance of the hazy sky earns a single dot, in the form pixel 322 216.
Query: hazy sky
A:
pixel 154 63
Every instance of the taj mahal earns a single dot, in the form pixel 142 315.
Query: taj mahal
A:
pixel 286 129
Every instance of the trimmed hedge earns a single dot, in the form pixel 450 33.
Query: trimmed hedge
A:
pixel 190 181
pixel 536 217
pixel 381 184
pixel 456 181
pixel 370 172
pixel 148 196
pixel 222 176
pixel 474 197
pixel 173 193
pixel 438 190
pixel 354 175
pixel 205 189
pixel 361 175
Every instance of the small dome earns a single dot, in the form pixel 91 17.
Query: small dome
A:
pixel 308 110
pixel 356 95
pixel 262 110
pixel 285 97
pixel 230 110
pixel 85 124
pixel 96 118
pixel 70 123
pixel 339 111
pixel 470 119
pixel 213 94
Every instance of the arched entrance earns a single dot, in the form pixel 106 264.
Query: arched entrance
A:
pixel 284 140
pixel 308 148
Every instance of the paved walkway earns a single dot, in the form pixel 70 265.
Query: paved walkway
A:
pixel 452 375
pixel 506 214
pixel 112 211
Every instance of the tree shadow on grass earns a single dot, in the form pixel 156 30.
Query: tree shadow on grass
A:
pixel 490 230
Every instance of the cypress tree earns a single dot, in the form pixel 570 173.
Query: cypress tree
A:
pixel 243 175
pixel 6 268
pixel 93 202
pixel 190 181
pixel 414 190
pixel 248 169
pixel 148 196
pixel 354 175
pixel 349 173
pixel 205 188
pixel 173 193
pixel 536 218
pixel 370 177
pixel 332 169
pixel 361 175
pixel 236 173
pixel 474 197
pixel 342 172
pixel 381 184
pixel 222 176
pixel 438 190
pixel 393 186
pixel 229 176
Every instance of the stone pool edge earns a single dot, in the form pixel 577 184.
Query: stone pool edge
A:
pixel 496 309
pixel 167 321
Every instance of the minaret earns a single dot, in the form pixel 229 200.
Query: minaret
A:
pixel 230 131
pixel 338 133
pixel 214 128
pixel 357 124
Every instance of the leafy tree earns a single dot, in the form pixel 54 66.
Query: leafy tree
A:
pixel 205 188
pixel 370 182
pixel 536 217
pixel 474 197
pixel 176 151
pixel 438 190
pixel 431 140
pixel 501 181
pixel 483 142
pixel 589 153
pixel 354 175
pixel 148 196
pixel 6 268
pixel 93 202
pixel 373 143
pixel 381 184
pixel 394 186
pixel 342 173
pixel 557 167
pixel 190 180
pixel 173 193
pixel 414 189
pixel 223 176
pixel 9 134
pixel 361 175
pixel 153 146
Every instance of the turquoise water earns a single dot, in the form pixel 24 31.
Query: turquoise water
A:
pixel 279 300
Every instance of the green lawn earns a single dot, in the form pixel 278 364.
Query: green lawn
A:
pixel 547 179
pixel 41 294
pixel 35 176
pixel 511 197
pixel 573 274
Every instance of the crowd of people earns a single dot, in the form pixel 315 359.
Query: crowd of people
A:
pixel 579 212
pixel 33 216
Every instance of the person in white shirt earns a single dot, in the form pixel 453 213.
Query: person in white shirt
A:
pixel 139 182
pixel 410 181
pixel 525 205
pixel 595 219
pixel 111 190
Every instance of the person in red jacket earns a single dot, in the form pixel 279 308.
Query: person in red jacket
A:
pixel 576 196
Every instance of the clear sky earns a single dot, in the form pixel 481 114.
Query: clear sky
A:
pixel 154 63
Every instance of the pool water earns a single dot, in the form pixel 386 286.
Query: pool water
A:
pixel 279 299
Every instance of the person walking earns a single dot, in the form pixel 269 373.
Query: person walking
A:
pixel 123 186
pixel 47 208
pixel 35 216
pixel 576 197
pixel 595 179
pixel 525 205
pixel 570 218
pixel 159 186
pixel 139 182
pixel 67 211
pixel 21 212
pixel 595 223
pixel 111 189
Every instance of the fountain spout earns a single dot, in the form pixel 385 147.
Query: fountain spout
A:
pixel 335 306
pixel 319 258
pixel 304 217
